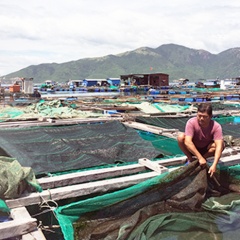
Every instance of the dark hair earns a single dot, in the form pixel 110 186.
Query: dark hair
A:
pixel 205 107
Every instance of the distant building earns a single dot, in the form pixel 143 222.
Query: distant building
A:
pixel 24 85
pixel 75 83
pixel 114 81
pixel 150 79
pixel 95 82
pixel 237 79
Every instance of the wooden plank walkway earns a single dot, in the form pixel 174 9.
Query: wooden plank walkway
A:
pixel 90 182
pixel 55 122
pixel 21 225
pixel 87 183
pixel 171 133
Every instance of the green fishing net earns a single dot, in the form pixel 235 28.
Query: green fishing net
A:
pixel 183 204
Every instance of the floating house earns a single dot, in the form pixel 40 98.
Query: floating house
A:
pixel 24 85
pixel 114 81
pixel 150 79
pixel 75 83
pixel 49 82
pixel 230 83
pixel 95 82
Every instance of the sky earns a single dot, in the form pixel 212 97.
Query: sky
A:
pixel 33 32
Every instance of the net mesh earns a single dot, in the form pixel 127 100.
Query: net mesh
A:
pixel 183 204
pixel 230 124
pixel 62 148
pixel 15 179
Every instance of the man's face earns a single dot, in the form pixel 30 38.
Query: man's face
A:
pixel 203 119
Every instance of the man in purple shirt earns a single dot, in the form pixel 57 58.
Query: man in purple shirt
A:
pixel 203 138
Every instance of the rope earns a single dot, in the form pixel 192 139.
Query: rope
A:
pixel 45 204
pixel 50 206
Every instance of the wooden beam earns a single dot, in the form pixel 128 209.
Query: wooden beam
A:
pixel 21 224
pixel 101 186
pixel 88 175
pixel 19 213
pixel 230 160
pixel 171 133
pixel 16 228
pixel 83 189
pixel 34 235
pixel 57 122
pixel 152 165
pixel 97 174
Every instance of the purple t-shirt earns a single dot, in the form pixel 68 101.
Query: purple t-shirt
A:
pixel 201 137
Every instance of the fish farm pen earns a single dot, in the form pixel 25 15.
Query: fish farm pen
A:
pixel 111 168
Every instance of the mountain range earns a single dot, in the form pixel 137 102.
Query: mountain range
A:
pixel 175 60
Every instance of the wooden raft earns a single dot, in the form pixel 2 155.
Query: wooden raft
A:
pixel 90 182
pixel 21 225
pixel 171 133
pixel 96 181
pixel 55 122
pixel 73 185
pixel 86 183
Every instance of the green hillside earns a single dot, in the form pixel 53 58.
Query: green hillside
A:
pixel 177 61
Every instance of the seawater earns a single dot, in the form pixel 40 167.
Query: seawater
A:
pixel 78 94
pixel 63 94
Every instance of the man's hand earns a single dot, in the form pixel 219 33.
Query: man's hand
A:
pixel 202 161
pixel 212 170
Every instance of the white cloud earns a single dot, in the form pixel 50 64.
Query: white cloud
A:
pixel 45 31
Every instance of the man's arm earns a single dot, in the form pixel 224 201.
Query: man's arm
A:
pixel 192 148
pixel 217 155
